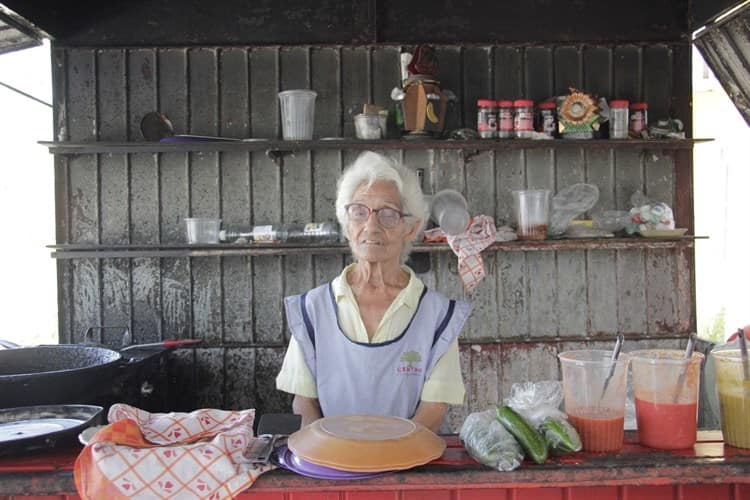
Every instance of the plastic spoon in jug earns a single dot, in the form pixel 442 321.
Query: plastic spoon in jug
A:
pixel 613 362
pixel 683 369
pixel 743 354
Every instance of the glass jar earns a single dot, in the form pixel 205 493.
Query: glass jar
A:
pixel 505 119
pixel 547 122
pixel 638 119
pixel 618 119
pixel 486 118
pixel 523 120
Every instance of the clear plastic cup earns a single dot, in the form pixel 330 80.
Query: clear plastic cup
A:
pixel 297 114
pixel 734 397
pixel 532 208
pixel 597 414
pixel 202 230
pixel 448 208
pixel 666 387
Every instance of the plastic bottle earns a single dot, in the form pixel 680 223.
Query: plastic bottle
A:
pixel 547 123
pixel 618 119
pixel 524 118
pixel 505 119
pixel 313 232
pixel 638 118
pixel 486 119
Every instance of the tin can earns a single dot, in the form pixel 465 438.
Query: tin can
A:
pixel 523 121
pixel 547 121
pixel 638 118
pixel 505 119
pixel 618 119
pixel 486 118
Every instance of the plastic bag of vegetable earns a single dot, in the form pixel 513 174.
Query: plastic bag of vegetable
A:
pixel 487 441
pixel 539 403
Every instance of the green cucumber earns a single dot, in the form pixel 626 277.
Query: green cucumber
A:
pixel 529 438
pixel 560 435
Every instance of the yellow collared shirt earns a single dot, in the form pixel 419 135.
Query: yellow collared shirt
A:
pixel 444 385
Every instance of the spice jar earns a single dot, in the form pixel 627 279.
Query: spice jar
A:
pixel 638 118
pixel 547 122
pixel 618 119
pixel 505 119
pixel 523 121
pixel 486 118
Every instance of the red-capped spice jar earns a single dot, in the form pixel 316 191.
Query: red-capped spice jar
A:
pixel 505 119
pixel 638 118
pixel 523 120
pixel 547 118
pixel 486 118
pixel 618 119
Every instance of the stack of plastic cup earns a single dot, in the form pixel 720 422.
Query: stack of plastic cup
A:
pixel 532 207
pixel 297 114
pixel 202 230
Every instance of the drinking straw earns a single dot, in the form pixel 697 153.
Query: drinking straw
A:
pixel 683 369
pixel 743 354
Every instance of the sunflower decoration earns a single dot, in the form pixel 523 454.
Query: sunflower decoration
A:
pixel 578 115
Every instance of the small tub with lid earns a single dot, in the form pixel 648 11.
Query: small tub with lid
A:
pixel 547 118
pixel 505 119
pixel 638 118
pixel 618 119
pixel 486 118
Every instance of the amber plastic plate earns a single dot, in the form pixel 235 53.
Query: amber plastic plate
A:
pixel 366 443
pixel 664 233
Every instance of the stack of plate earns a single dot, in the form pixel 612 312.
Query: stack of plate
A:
pixel 359 446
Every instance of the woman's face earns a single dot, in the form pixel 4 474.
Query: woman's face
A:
pixel 369 240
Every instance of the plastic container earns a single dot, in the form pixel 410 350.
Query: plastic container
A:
pixel 297 114
pixel 368 126
pixel 618 119
pixel 597 414
pixel 532 209
pixel 667 388
pixel 202 230
pixel 638 118
pixel 611 220
pixel 505 119
pixel 448 209
pixel 486 118
pixel 312 232
pixel 734 397
pixel 523 118
pixel 547 122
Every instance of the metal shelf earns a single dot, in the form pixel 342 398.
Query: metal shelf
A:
pixel 92 251
pixel 275 148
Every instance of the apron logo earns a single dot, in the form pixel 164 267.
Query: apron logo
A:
pixel 408 359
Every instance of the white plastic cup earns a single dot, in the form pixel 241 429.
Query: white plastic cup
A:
pixel 532 207
pixel 297 114
pixel 367 126
pixel 449 211
pixel 202 230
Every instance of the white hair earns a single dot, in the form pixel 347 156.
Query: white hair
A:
pixel 370 167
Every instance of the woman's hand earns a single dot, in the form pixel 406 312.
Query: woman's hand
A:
pixel 430 414
pixel 308 408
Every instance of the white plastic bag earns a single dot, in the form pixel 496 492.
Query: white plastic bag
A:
pixel 487 441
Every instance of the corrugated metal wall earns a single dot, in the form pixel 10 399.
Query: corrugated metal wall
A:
pixel 531 304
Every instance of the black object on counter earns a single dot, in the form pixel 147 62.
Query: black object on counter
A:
pixel 34 428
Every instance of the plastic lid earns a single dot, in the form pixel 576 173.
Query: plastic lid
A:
pixel 522 103
pixel 639 105
pixel 505 103
pixel 547 105
pixel 486 102
pixel 618 103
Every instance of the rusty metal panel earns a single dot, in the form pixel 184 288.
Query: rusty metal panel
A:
pixel 725 46
pixel 477 80
pixel 628 73
pixel 602 291
pixel 658 85
pixel 539 73
pixel 452 79
pixel 631 283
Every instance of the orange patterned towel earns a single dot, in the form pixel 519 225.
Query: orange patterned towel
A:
pixel 168 455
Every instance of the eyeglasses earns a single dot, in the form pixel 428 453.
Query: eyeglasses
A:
pixel 387 217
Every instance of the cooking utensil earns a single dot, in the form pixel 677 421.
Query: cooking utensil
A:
pixel 166 344
pixel 156 126
pixel 683 370
pixel 38 427
pixel 366 443
pixel 615 354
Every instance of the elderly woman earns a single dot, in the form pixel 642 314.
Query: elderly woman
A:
pixel 375 340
